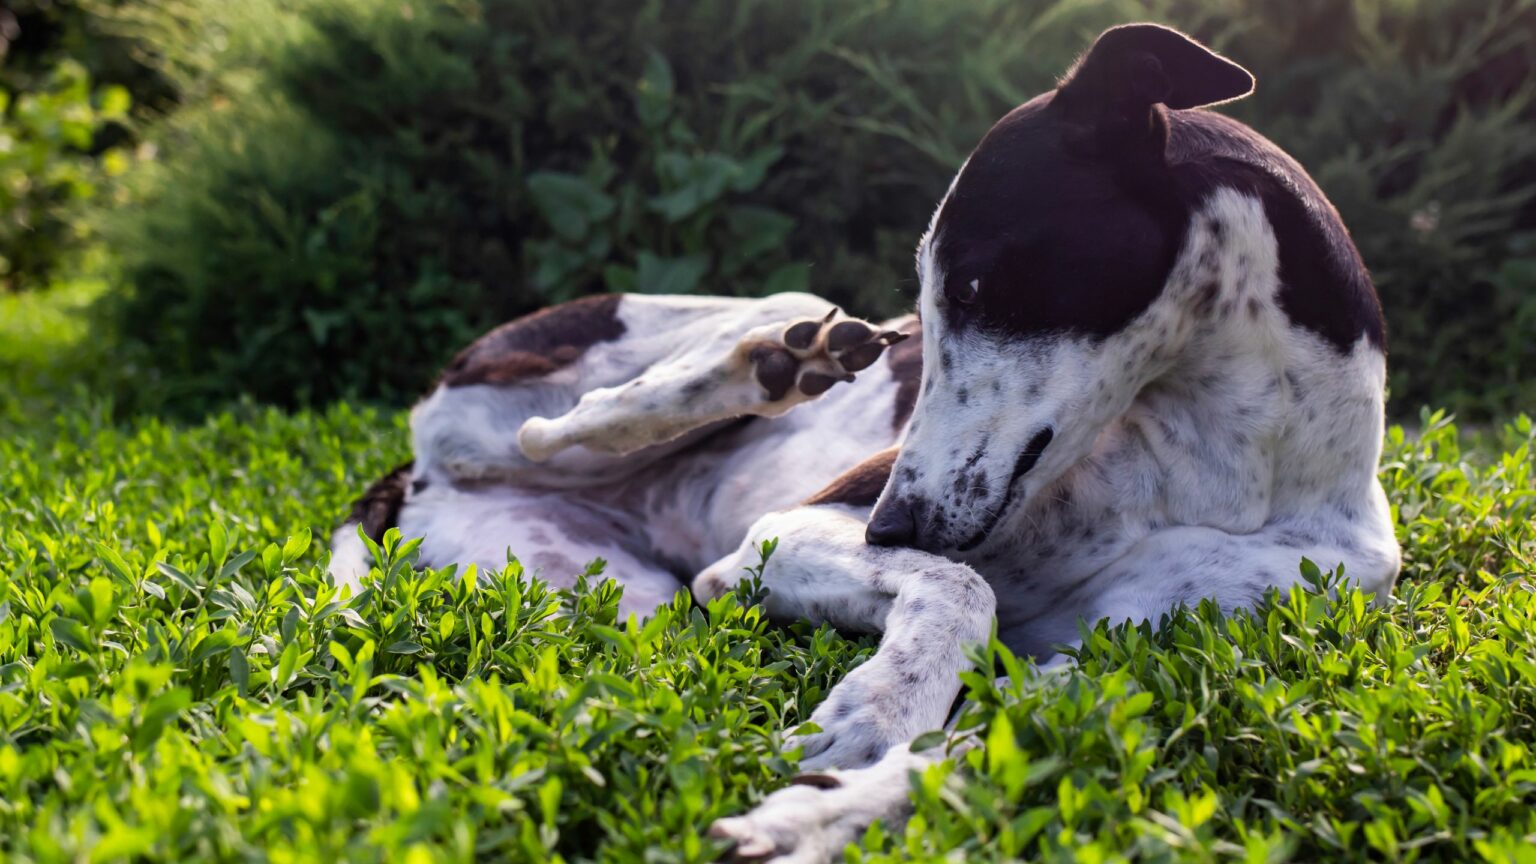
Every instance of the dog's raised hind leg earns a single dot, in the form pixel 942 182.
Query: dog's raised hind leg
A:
pixel 764 372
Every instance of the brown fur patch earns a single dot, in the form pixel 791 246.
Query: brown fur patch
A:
pixel 535 345
pixel 906 361
pixel 860 485
pixel 379 508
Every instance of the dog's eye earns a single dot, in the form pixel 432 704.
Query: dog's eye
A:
pixel 964 293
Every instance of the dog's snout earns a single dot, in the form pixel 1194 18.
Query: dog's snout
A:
pixel 892 524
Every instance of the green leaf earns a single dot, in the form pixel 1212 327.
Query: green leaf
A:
pixel 287 664
pixel 670 275
pixel 218 544
pixel 653 93
pixel 71 633
pixel 692 182
pixel 115 101
pixel 757 231
pixel 928 740
pixel 570 204
pixel 296 546
pixel 240 671
pixel 214 644
pixel 790 277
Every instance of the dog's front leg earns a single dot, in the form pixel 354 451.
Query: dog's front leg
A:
pixel 929 609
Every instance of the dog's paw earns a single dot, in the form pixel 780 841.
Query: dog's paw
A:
pixel 810 356
pixel 815 818
pixel 791 825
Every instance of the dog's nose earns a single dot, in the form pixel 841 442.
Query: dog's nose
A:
pixel 892 524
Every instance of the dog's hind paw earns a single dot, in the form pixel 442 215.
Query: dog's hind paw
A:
pixel 811 355
pixel 790 364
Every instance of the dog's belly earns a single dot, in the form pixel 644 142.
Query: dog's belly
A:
pixel 554 535
pixel 663 524
pixel 698 505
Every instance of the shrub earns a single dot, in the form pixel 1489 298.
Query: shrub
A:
pixel 446 166
pixel 365 184
pixel 66 88
pixel 49 168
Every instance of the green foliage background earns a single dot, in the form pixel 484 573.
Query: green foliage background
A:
pixel 353 188
pixel 321 198
pixel 59 138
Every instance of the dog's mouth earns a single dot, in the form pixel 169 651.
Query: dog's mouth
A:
pixel 1026 461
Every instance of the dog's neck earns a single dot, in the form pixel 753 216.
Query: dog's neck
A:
pixel 1241 417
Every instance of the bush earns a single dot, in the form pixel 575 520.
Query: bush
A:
pixel 365 184
pixel 49 169
pixel 66 88
pixel 397 176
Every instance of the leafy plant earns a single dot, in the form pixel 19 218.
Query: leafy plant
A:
pixel 370 184
pixel 359 186
pixel 180 681
pixel 49 169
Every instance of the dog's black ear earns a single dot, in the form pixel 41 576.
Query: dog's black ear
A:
pixel 1131 69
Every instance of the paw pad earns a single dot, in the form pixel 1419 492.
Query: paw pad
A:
pixel 775 369
pixel 814 354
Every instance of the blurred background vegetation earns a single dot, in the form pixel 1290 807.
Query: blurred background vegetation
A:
pixel 303 200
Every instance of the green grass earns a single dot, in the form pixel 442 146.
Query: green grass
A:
pixel 178 682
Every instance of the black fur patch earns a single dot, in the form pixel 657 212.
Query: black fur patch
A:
pixel 535 345
pixel 379 508
pixel 1324 285
pixel 906 362
pixel 1072 210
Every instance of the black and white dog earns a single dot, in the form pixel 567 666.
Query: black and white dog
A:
pixel 1147 369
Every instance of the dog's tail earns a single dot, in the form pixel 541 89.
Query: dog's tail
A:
pixel 377 511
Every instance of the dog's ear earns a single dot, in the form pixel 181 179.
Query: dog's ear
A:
pixel 1116 87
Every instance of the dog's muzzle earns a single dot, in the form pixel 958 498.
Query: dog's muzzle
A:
pixel 892 524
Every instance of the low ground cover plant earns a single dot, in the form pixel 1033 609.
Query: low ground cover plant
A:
pixel 178 681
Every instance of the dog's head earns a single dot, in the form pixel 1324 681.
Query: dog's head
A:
pixel 1060 230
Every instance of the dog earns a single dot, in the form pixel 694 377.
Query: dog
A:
pixel 1147 368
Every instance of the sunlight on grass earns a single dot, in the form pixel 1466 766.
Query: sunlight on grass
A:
pixel 179 681
pixel 44 352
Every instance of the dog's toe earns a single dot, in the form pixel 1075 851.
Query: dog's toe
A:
pixel 855 346
pixel 804 337
pixel 774 369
